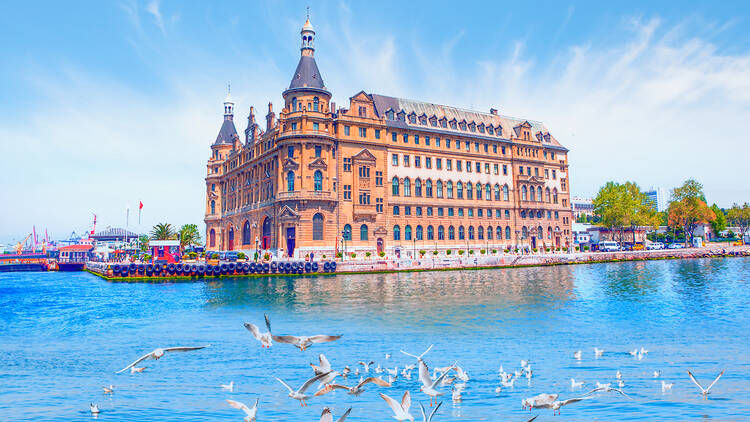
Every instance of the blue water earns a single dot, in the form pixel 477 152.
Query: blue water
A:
pixel 63 335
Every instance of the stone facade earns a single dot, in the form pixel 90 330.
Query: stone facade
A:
pixel 382 174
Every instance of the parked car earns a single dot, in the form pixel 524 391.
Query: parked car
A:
pixel 609 246
pixel 653 246
pixel 675 246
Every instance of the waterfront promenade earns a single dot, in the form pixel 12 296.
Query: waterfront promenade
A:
pixel 471 262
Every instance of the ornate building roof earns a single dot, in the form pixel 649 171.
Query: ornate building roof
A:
pixel 307 74
pixel 227 133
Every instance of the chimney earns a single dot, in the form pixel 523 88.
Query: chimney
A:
pixel 270 117
pixel 493 111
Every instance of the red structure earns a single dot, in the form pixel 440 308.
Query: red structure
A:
pixel 165 251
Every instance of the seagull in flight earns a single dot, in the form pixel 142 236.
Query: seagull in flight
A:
pixel 263 338
pixel 400 410
pixel 425 417
pixel 366 365
pixel 301 342
pixel 156 354
pixel 357 389
pixel 705 391
pixel 299 394
pixel 327 416
pixel 250 412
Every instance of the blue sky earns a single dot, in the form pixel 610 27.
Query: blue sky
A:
pixel 108 103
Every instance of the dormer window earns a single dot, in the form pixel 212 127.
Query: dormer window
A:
pixel 362 111
pixel 490 130
pixel 433 121
pixel 423 120
pixel 453 124
pixel 401 115
pixel 481 128
pixel 472 127
pixel 389 114
pixel 444 122
pixel 412 118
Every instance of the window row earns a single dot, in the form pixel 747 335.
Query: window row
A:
pixel 446 190
pixel 443 122
pixel 317 181
pixel 450 211
pixel 468 165
pixel 499 233
pixel 538 195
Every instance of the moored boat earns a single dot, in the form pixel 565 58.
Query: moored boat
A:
pixel 23 262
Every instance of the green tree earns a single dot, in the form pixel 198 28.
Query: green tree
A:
pixel 720 223
pixel 143 242
pixel 609 204
pixel 739 216
pixel 189 235
pixel 162 231
pixel 622 207
pixel 688 208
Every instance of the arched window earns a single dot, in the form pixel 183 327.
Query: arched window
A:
pixel 407 187
pixel 407 232
pixel 506 196
pixel 499 233
pixel 441 233
pixel 469 190
pixel 213 207
pixel 507 232
pixel 451 233
pixel 212 238
pixel 532 194
pixel 549 232
pixel 439 192
pixel 547 196
pixel 347 232
pixel 316 101
pixel 471 232
pixel 497 192
pixel 459 190
pixel 318 226
pixel 524 232
pixel 294 103
pixel 417 187
pixel 395 187
pixel 461 233
pixel 428 188
pixel 539 194
pixel 290 181
pixel 318 180
pixel 479 191
pixel 554 195
pixel 488 192
pixel 540 232
pixel 524 193
pixel 419 232
pixel 489 232
pixel 363 232
pixel 430 233
pixel 449 189
pixel 396 232
pixel 480 233
pixel 246 233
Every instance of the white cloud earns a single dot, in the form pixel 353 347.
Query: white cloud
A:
pixel 153 9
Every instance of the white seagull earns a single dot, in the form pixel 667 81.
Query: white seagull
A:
pixel 575 384
pixel 577 355
pixel 301 342
pixel 264 338
pixel 425 417
pixel 327 416
pixel 250 412
pixel 157 354
pixel 666 386
pixel 400 410
pixel 325 365
pixel 94 408
pixel 705 391
pixel 228 387
pixel 461 374
pixel 366 365
pixel 109 390
pixel 357 389
pixel 299 394
pixel 598 352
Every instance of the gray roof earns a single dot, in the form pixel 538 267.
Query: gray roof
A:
pixel 114 232
pixel 307 74
pixel 227 133
pixel 384 103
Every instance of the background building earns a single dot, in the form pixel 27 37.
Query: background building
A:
pixel 582 206
pixel 382 174
pixel 658 199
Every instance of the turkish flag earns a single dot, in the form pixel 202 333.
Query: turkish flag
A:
pixel 140 205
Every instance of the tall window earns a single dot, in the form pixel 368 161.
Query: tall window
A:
pixel 318 226
pixel 479 191
pixel 396 232
pixel 487 192
pixel 407 232
pixel 547 196
pixel 347 232
pixel 459 190
pixel 395 188
pixel 407 187
pixel 439 192
pixel 318 180
pixel 316 101
pixel 471 232
pixel 505 193
pixel 418 187
pixel 524 193
pixel 539 193
pixel 318 151
pixel 461 234
pixel 469 190
pixel 294 104
pixel 419 232
pixel 441 233
pixel 507 232
pixel 246 233
pixel 497 192
pixel 290 181
pixel 428 188
pixel 489 232
pixel 213 207
pixel 212 238
pixel 449 189
pixel 451 233
pixel 499 231
pixel 430 233
pixel 363 232
pixel 532 194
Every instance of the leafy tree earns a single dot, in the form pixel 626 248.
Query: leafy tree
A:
pixel 163 231
pixel 189 235
pixel 720 223
pixel 143 242
pixel 609 205
pixel 740 217
pixel 688 208
pixel 622 206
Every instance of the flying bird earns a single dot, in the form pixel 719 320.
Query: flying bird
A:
pixel 575 384
pixel 705 391
pixel 301 342
pixel 299 394
pixel 327 416
pixel 400 410
pixel 250 412
pixel 357 389
pixel 265 339
pixel 366 365
pixel 425 417
pixel 156 354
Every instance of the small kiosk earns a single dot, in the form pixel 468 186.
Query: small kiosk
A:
pixel 165 251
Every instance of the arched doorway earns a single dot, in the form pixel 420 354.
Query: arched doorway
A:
pixel 267 233
pixel 381 245
pixel 290 241
pixel 230 246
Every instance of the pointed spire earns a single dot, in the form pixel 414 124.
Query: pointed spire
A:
pixel 228 104
pixel 308 37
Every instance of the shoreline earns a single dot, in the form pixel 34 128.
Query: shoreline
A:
pixel 463 264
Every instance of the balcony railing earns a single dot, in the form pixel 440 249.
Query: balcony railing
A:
pixel 305 195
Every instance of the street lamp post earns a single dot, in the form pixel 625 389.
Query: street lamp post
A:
pixel 257 250
pixel 343 244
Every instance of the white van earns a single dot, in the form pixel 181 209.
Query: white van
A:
pixel 609 246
